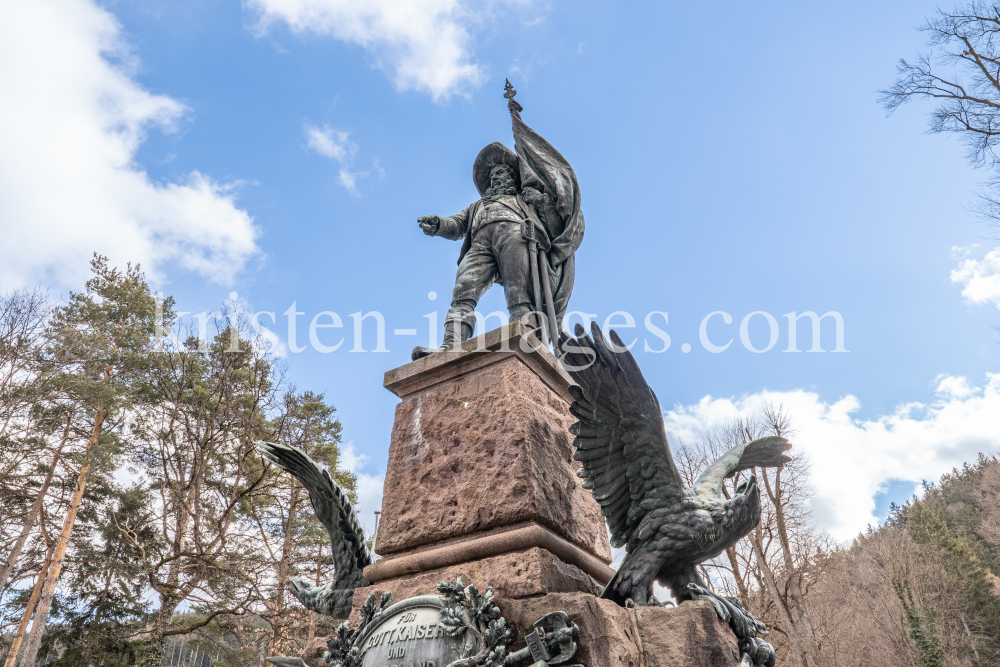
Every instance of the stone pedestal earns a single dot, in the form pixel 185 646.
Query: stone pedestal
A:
pixel 481 483
pixel 612 636
pixel 481 479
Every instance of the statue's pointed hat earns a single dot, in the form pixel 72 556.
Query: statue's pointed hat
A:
pixel 492 155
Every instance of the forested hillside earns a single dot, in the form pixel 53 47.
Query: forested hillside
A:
pixel 921 590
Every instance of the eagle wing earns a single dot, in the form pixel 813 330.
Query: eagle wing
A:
pixel 761 453
pixel 333 509
pixel 620 437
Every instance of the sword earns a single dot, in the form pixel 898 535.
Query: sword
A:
pixel 543 268
pixel 528 234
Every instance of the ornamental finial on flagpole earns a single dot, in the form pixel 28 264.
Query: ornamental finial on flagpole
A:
pixel 509 93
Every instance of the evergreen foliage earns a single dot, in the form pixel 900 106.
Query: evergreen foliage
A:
pixel 922 624
pixel 968 578
pixel 195 542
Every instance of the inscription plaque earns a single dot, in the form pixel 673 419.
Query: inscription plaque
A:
pixel 407 634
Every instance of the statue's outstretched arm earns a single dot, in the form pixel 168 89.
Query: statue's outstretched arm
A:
pixel 453 227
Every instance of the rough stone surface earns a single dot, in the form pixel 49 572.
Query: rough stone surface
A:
pixel 312 654
pixel 479 546
pixel 483 450
pixel 534 572
pixel 607 636
pixel 691 634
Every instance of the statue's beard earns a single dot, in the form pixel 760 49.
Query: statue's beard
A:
pixel 505 188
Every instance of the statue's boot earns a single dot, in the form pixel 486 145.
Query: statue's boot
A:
pixel 455 333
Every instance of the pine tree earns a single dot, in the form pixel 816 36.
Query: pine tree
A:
pixel 27 420
pixel 100 346
pixel 104 610
pixel 194 448
pixel 981 617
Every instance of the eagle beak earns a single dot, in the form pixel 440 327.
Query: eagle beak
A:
pixel 297 587
pixel 746 484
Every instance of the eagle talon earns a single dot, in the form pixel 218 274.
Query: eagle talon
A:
pixel 700 593
pixel 723 613
pixel 720 608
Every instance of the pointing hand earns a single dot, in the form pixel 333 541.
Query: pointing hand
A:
pixel 429 223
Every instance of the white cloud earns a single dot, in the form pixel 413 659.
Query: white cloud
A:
pixel 350 178
pixel 980 277
pixel 330 143
pixel 423 44
pixel 351 459
pixel 337 145
pixel 853 459
pixel 369 486
pixel 955 386
pixel 71 122
pixel 369 499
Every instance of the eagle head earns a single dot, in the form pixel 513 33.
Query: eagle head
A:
pixel 747 486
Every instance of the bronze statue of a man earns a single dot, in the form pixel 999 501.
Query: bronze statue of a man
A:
pixel 522 233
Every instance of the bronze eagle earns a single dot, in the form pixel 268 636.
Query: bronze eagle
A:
pixel 333 509
pixel 667 529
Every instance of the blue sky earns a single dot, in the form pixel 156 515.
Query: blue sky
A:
pixel 733 159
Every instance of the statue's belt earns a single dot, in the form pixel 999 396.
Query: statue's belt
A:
pixel 525 219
